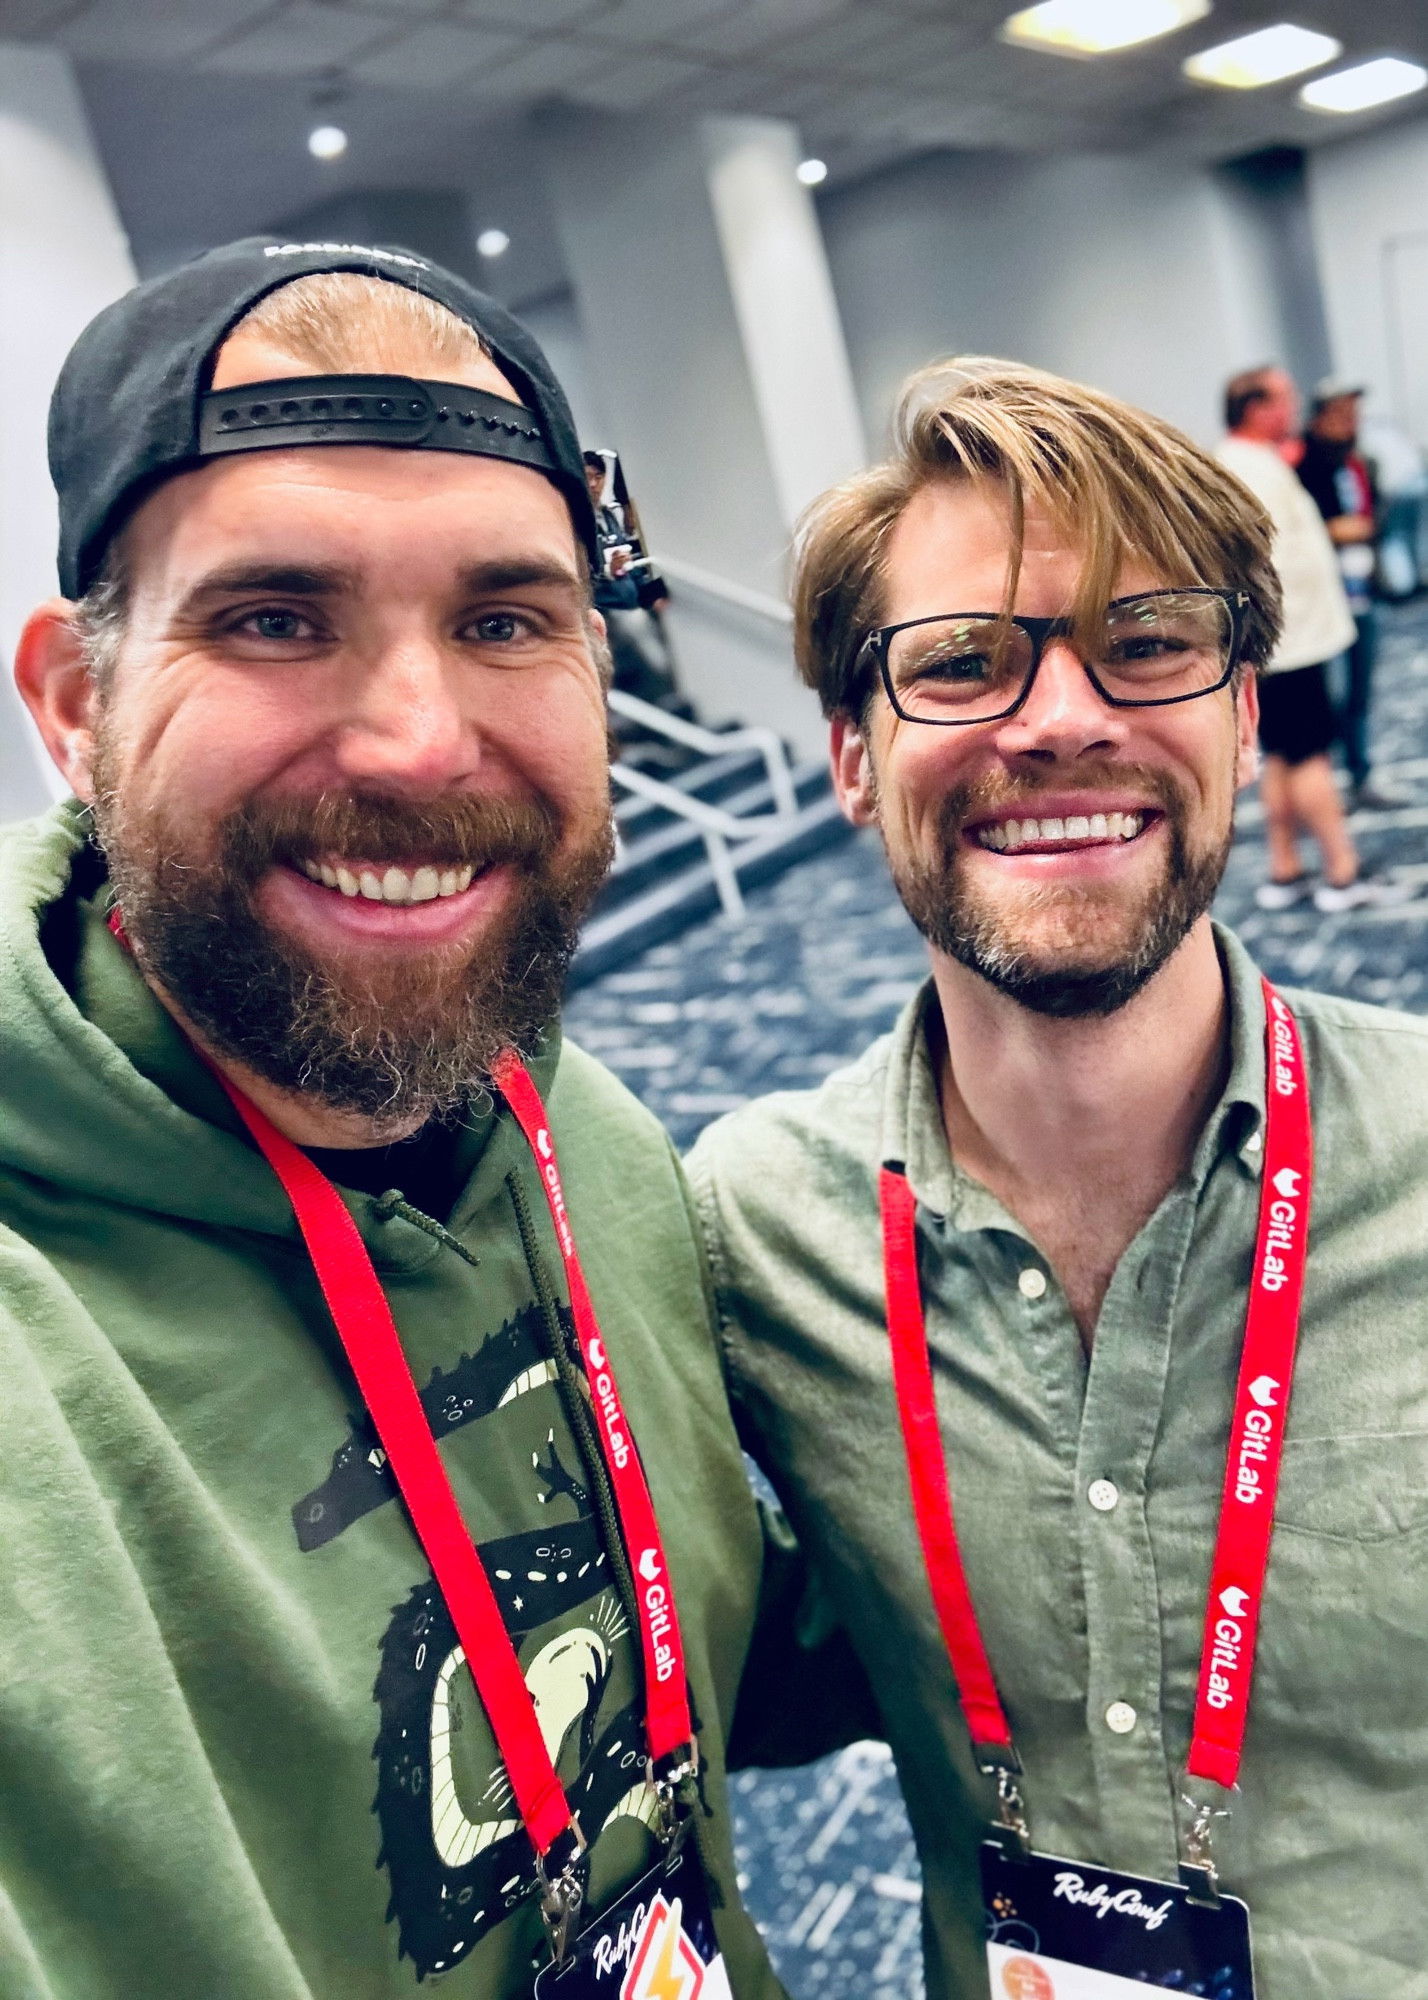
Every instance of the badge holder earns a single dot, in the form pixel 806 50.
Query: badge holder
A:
pixel 657 1942
pixel 1059 1929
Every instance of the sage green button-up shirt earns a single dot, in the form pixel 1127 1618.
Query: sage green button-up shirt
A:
pixel 1086 1492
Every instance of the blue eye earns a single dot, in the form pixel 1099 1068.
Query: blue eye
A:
pixel 276 625
pixel 500 626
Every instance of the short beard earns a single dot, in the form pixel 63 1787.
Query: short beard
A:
pixel 1070 981
pixel 396 1039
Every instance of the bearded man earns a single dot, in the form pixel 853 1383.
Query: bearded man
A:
pixel 1011 1303
pixel 297 1178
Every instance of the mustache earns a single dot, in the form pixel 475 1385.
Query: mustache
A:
pixel 460 830
pixel 994 792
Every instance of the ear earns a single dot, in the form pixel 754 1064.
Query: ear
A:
pixel 1247 732
pixel 852 767
pixel 53 677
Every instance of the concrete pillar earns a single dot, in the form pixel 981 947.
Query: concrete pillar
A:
pixel 63 255
pixel 708 312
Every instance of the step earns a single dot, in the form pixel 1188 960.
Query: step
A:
pixel 676 843
pixel 711 778
pixel 613 937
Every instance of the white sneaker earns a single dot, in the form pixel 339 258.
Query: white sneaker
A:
pixel 1277 895
pixel 1364 892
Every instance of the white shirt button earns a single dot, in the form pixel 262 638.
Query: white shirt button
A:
pixel 1103 1495
pixel 1032 1283
pixel 1121 1718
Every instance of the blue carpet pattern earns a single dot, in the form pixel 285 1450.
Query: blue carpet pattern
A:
pixel 820 965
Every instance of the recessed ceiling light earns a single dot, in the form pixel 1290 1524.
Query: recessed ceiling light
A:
pixel 1376 82
pixel 493 243
pixel 812 172
pixel 1267 56
pixel 327 142
pixel 1094 27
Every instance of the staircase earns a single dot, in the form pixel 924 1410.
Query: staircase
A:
pixel 664 878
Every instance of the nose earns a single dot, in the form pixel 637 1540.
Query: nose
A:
pixel 1063 717
pixel 406 726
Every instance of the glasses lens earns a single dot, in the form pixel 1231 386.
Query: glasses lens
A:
pixel 1156 648
pixel 958 668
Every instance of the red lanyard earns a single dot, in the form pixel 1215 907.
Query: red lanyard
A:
pixel 1241 1559
pixel 368 1333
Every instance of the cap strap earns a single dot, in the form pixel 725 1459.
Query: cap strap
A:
pixel 370 409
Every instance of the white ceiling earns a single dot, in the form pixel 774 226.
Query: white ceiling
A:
pixel 202 105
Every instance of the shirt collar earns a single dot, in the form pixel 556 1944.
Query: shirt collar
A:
pixel 913 1132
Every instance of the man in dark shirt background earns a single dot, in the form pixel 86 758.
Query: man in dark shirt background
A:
pixel 1342 485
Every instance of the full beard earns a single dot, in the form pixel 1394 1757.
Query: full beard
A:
pixel 395 1038
pixel 1063 950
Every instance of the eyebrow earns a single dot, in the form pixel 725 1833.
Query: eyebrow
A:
pixel 312 580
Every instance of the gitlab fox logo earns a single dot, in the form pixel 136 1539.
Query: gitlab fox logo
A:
pixel 1287 1181
pixel 1235 1601
pixel 649 1565
pixel 1262 1389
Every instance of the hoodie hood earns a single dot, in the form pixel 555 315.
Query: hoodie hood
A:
pixel 123 1111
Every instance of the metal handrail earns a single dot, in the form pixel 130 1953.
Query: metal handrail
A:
pixel 716 826
pixel 714 743
pixel 722 587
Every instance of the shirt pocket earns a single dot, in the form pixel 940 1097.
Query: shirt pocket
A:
pixel 1362 1486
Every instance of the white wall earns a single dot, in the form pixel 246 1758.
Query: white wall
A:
pixel 1139 275
pixel 62 257
pixel 1369 202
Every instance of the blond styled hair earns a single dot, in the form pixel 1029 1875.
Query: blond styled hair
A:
pixel 1122 486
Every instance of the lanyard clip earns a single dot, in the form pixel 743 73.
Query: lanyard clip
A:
pixel 1009 1829
pixel 1199 1876
pixel 562 1872
pixel 667 1781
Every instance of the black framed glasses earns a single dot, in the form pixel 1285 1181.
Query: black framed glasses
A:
pixel 1152 649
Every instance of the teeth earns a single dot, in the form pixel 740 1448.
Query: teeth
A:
pixel 1014 833
pixel 392 885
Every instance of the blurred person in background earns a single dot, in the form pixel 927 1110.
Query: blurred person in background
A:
pixel 1342 487
pixel 294 1705
pixel 1010 1302
pixel 1297 724
pixel 1401 480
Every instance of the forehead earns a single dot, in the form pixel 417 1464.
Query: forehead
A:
pixel 950 550
pixel 398 516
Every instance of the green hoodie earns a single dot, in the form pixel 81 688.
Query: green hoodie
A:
pixel 239 1754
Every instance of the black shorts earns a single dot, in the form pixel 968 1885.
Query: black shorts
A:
pixel 1296 716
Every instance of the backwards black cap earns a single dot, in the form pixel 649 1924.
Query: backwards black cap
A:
pixel 132 405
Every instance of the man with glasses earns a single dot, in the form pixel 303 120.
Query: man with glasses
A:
pixel 1010 1303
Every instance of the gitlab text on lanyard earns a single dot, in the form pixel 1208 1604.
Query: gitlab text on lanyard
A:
pixel 1241 1558
pixel 369 1335
pixel 364 1321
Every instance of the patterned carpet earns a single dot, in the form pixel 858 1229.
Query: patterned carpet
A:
pixel 819 967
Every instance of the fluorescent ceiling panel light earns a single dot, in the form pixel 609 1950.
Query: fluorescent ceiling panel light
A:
pixel 1367 83
pixel 1267 56
pixel 1095 27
